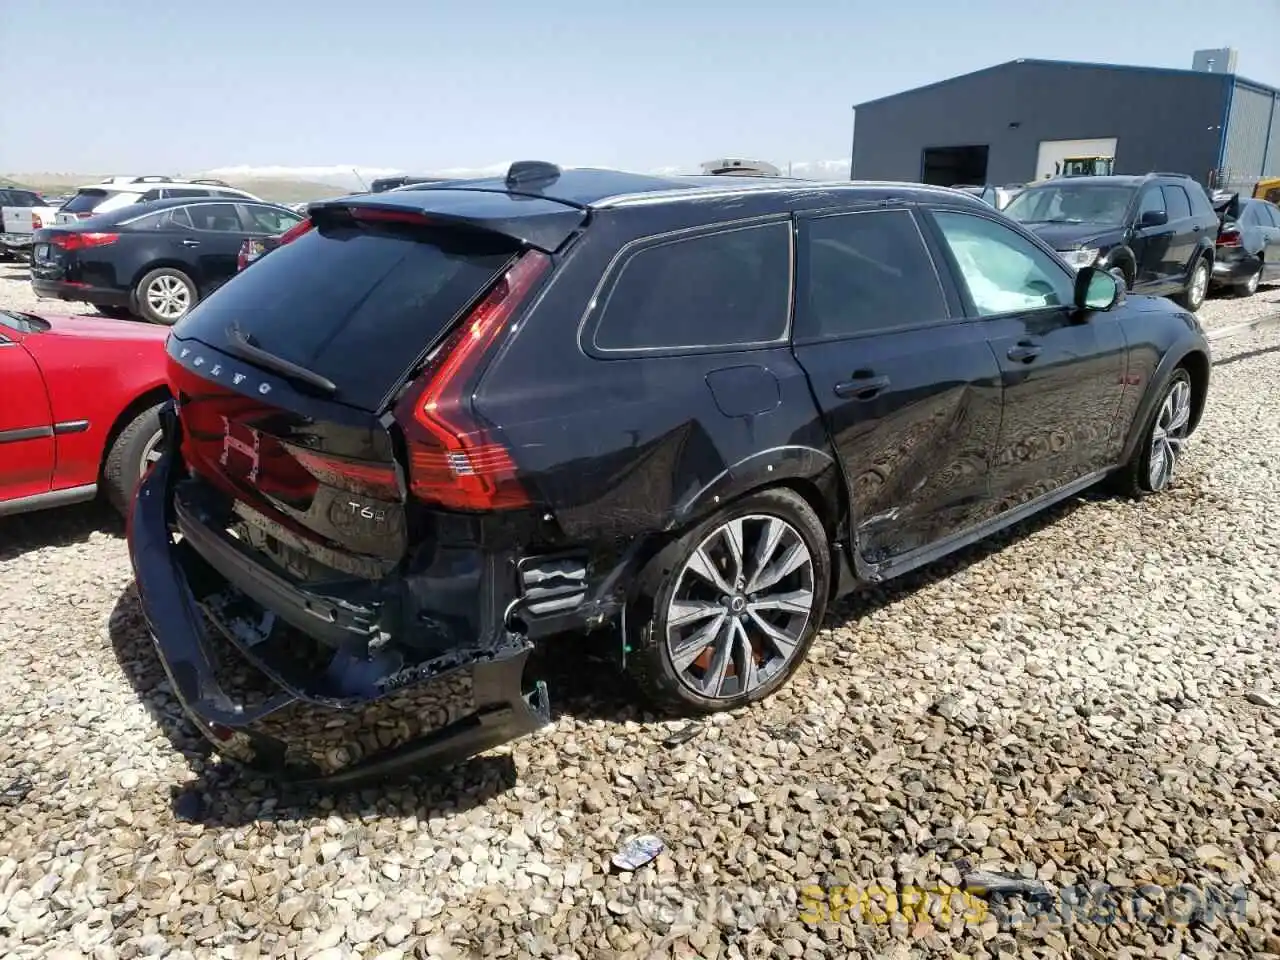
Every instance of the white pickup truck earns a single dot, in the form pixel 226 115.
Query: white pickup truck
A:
pixel 22 213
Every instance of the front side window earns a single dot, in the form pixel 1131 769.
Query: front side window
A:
pixel 731 288
pixel 1151 201
pixel 862 272
pixel 1003 271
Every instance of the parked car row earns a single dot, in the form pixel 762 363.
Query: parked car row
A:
pixel 155 260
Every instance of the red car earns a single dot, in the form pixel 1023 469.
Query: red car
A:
pixel 80 402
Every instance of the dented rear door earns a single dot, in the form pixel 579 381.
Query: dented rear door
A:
pixel 909 389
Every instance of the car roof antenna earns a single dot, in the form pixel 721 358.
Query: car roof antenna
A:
pixel 532 173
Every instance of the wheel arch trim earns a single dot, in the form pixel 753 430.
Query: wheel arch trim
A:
pixel 1186 354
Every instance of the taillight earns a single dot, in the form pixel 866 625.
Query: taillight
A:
pixel 36 222
pixel 454 461
pixel 82 241
pixel 242 258
pixel 1229 237
pixel 294 232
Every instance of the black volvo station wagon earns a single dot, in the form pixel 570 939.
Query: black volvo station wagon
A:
pixel 444 423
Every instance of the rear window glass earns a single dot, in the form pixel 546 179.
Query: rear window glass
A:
pixel 725 289
pixel 355 305
pixel 86 201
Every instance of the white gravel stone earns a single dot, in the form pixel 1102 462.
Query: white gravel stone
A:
pixel 1090 698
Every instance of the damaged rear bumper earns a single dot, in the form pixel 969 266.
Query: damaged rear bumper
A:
pixel 307 726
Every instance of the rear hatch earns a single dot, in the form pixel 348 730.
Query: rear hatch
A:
pixel 286 378
pixel 84 203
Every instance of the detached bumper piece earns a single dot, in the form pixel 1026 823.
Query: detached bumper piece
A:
pixel 317 715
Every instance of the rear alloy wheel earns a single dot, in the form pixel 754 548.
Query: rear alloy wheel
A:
pixel 1250 286
pixel 1154 462
pixel 1197 286
pixel 733 605
pixel 165 296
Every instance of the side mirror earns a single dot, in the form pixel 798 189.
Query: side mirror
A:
pixel 1154 218
pixel 1096 289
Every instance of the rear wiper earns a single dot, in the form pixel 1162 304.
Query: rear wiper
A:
pixel 243 345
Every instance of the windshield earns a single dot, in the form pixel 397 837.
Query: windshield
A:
pixel 1071 203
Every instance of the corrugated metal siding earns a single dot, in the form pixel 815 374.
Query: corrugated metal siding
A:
pixel 1273 147
pixel 1245 144
pixel 1013 107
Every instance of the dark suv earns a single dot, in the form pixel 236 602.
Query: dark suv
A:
pixel 1155 233
pixel 443 424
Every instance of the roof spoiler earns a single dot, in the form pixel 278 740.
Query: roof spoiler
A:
pixel 540 222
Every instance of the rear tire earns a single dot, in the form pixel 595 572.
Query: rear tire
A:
pixel 1197 286
pixel 743 638
pixel 165 296
pixel 128 457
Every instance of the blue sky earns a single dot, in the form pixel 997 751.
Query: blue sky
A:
pixel 173 86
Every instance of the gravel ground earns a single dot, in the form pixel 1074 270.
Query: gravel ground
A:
pixel 1091 699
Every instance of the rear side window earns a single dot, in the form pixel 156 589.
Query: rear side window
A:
pixel 726 289
pixel 356 305
pixel 219 217
pixel 269 219
pixel 865 271
pixel 1176 202
pixel 1272 211
pixel 86 201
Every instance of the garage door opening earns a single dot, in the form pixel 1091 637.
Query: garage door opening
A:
pixel 955 166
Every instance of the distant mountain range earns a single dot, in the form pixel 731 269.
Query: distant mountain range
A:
pixel 297 184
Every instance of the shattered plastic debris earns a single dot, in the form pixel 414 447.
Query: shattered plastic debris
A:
pixel 635 853
pixel 684 734
pixel 982 882
pixel 15 791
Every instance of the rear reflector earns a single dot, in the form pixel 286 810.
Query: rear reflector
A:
pixel 371 479
pixel 82 241
pixel 454 461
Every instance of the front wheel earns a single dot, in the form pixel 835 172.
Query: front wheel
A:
pixel 726 613
pixel 1197 286
pixel 134 449
pixel 1151 468
pixel 165 295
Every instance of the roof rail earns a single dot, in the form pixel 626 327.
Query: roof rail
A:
pixel 1166 173
pixel 210 181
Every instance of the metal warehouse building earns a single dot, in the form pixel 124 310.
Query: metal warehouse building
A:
pixel 1018 121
